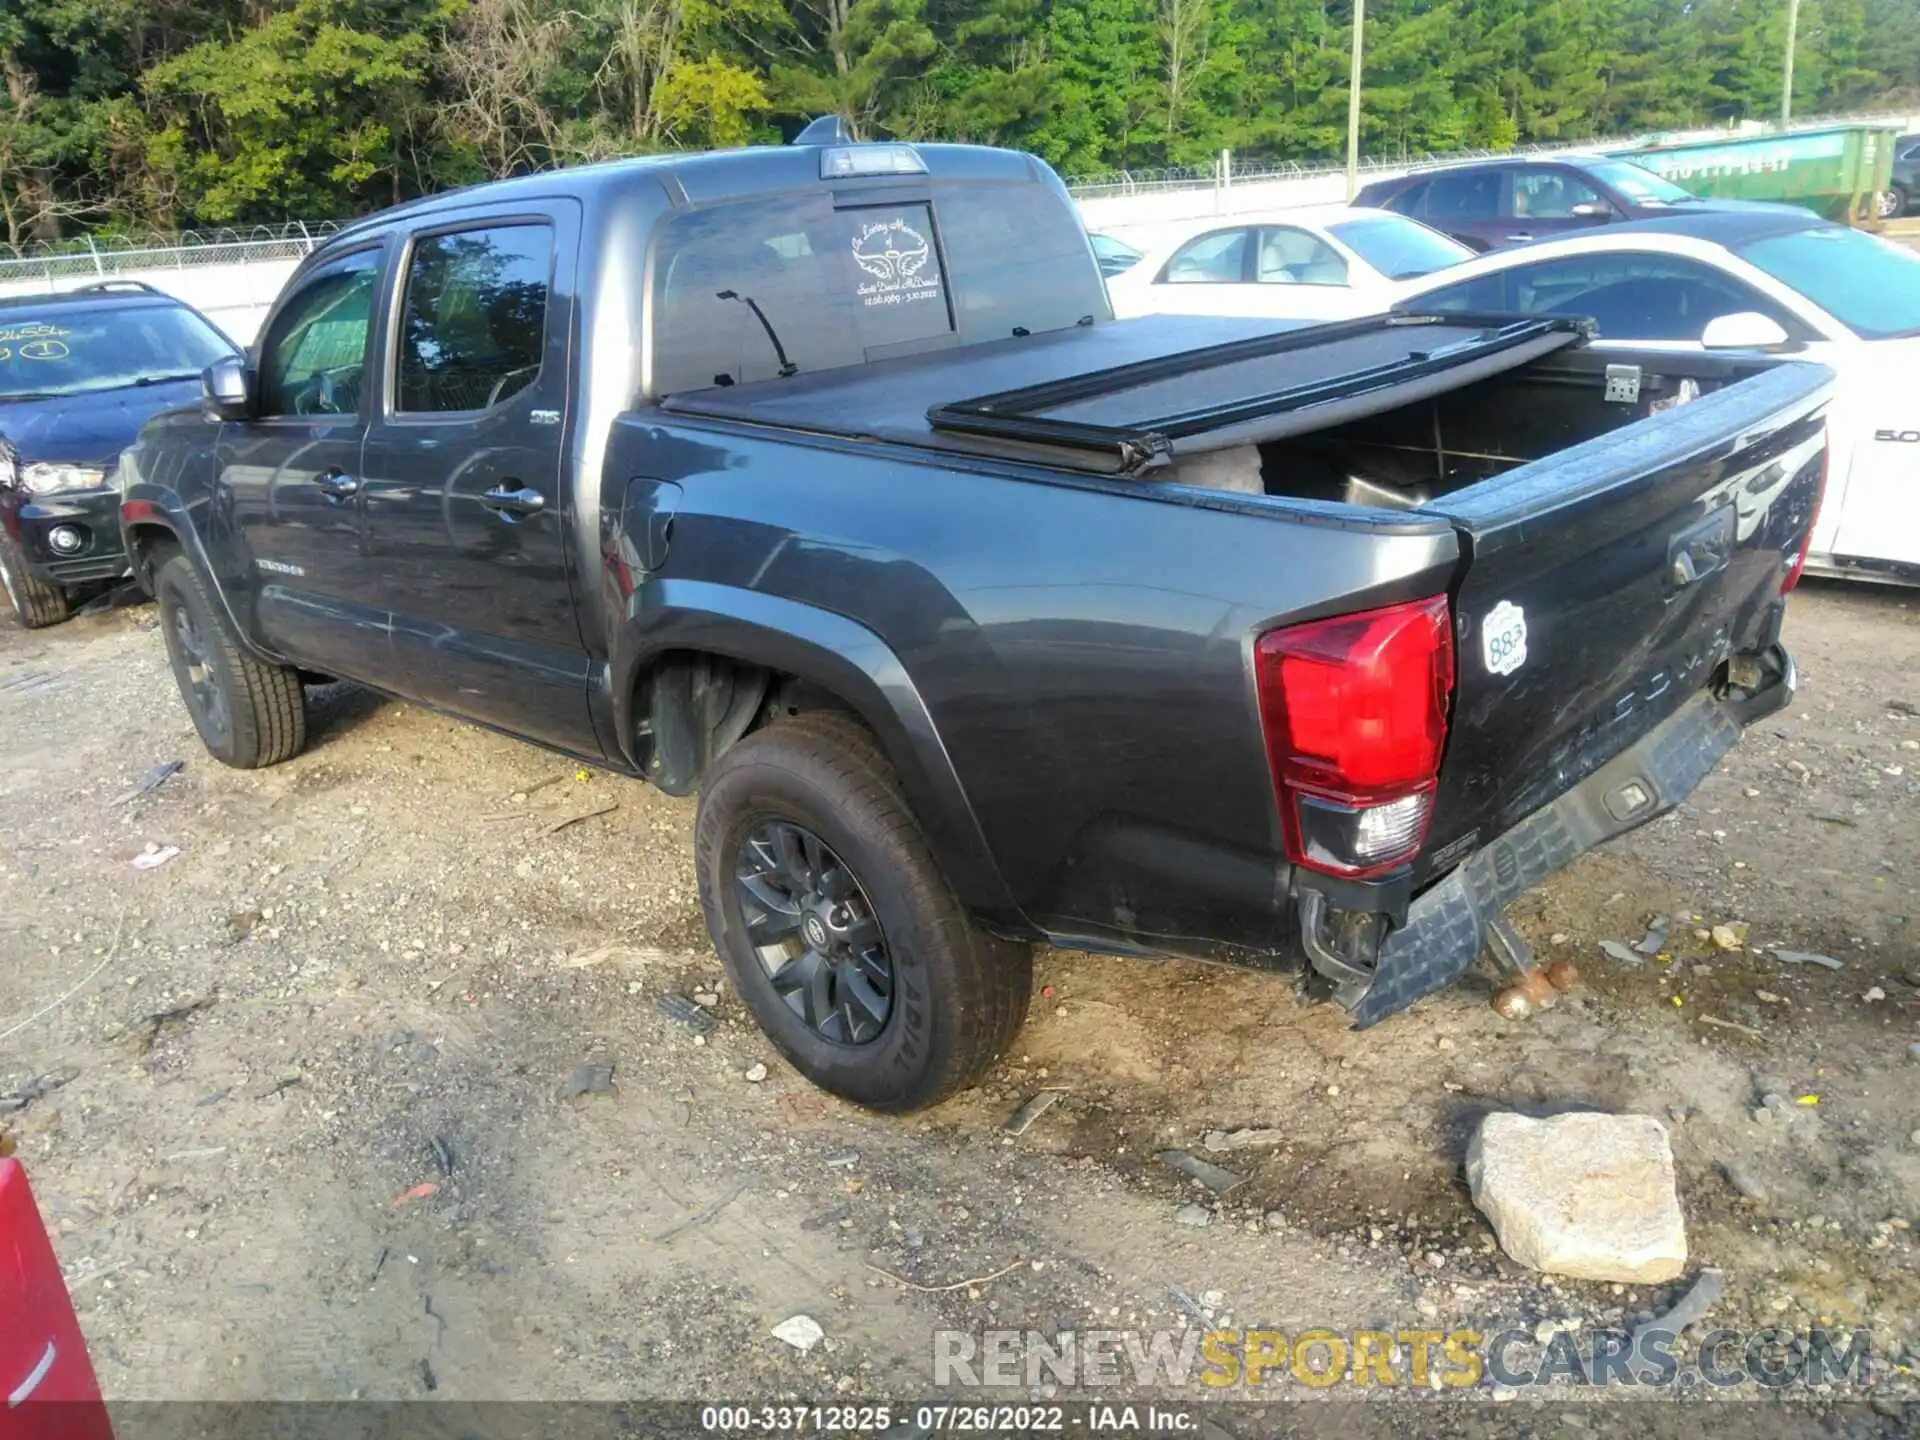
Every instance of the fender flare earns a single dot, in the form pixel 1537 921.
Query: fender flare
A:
pixel 845 658
pixel 151 507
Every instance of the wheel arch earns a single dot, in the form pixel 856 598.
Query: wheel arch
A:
pixel 147 541
pixel 713 663
pixel 153 519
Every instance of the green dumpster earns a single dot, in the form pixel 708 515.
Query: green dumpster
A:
pixel 1837 170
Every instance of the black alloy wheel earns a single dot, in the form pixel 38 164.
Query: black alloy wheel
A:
pixel 814 932
pixel 248 711
pixel 196 669
pixel 836 926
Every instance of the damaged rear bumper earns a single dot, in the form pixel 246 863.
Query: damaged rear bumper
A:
pixel 1446 925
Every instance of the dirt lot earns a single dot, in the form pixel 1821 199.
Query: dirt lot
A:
pixel 374 970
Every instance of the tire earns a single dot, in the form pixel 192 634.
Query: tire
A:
pixel 249 713
pixel 35 602
pixel 955 997
pixel 1893 203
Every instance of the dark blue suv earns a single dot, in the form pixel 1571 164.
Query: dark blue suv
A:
pixel 80 372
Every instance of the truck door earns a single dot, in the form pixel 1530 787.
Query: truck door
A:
pixel 466 510
pixel 289 477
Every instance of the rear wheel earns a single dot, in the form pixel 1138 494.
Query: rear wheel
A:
pixel 249 713
pixel 1893 202
pixel 837 928
pixel 35 602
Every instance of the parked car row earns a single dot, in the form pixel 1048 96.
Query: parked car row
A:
pixel 1315 263
pixel 1496 203
pixel 1649 264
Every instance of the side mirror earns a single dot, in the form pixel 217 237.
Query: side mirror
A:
pixel 1592 210
pixel 1746 330
pixel 226 389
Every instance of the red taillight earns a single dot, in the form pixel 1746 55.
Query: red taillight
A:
pixel 1355 712
pixel 1799 562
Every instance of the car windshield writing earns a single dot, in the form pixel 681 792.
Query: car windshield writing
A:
pixel 1638 183
pixel 1869 285
pixel 1399 248
pixel 82 350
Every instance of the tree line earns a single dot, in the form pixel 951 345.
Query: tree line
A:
pixel 163 114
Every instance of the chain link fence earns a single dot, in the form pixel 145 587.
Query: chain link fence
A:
pixel 89 257
pixel 1230 170
pixel 1234 171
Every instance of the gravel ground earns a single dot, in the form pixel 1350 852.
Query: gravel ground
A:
pixel 301 1124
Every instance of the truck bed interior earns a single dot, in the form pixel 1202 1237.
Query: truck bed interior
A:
pixel 1419 452
pixel 1387 410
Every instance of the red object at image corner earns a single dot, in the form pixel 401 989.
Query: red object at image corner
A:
pixel 47 1386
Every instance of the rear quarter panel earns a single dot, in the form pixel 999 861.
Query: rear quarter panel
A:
pixel 1082 647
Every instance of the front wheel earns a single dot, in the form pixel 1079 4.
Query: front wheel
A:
pixel 35 602
pixel 839 931
pixel 1893 203
pixel 249 713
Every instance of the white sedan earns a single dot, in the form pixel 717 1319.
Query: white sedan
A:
pixel 1784 283
pixel 1323 262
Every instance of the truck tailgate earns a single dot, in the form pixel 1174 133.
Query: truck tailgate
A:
pixel 1604 586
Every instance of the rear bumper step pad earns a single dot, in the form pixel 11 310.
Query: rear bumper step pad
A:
pixel 1446 926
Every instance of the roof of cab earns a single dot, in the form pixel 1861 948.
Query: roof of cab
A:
pixel 699 176
pixel 1430 169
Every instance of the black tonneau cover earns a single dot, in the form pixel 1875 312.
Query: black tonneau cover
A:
pixel 1117 396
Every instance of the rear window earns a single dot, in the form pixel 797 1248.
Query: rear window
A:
pixel 1399 249
pixel 789 284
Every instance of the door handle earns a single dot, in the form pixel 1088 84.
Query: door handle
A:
pixel 337 484
pixel 511 504
pixel 1516 239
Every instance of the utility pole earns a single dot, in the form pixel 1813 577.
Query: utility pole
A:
pixel 1353 97
pixel 1786 84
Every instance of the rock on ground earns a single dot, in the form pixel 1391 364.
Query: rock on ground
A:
pixel 802 1332
pixel 1586 1195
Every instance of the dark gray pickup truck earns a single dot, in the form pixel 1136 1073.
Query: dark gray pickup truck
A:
pixel 819 480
